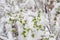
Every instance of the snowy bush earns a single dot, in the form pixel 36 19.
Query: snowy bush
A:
pixel 27 20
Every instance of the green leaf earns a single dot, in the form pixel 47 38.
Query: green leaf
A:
pixel 14 21
pixel 24 33
pixel 10 19
pixel 52 36
pixel 39 11
pixel 13 30
pixel 34 19
pixel 35 23
pixel 55 18
pixel 20 16
pixel 28 29
pixel 21 10
pixel 23 24
pixel 37 29
pixel 46 38
pixel 38 14
pixel 9 14
pixel 32 35
pixel 38 18
pixel 20 21
pixel 25 21
pixel 40 26
pixel 25 28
